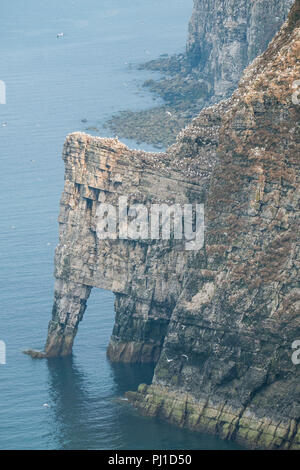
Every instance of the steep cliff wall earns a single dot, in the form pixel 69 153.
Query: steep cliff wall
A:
pixel 224 37
pixel 146 275
pixel 220 321
pixel 226 362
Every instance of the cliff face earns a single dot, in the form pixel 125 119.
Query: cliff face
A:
pixel 146 275
pixel 219 321
pixel 226 35
pixel 230 335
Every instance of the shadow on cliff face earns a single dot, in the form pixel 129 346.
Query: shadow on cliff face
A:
pixel 125 375
pixel 76 412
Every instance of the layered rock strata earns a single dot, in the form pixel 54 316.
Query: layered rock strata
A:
pixel 220 321
pixel 146 275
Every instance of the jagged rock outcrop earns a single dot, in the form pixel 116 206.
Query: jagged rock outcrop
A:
pixel 220 321
pixel 226 35
pixel 147 275
pixel 230 335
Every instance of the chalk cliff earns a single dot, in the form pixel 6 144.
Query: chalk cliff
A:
pixel 219 321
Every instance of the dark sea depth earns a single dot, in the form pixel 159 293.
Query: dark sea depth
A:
pixel 52 84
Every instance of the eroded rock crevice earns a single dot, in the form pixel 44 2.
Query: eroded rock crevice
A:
pixel 231 332
pixel 219 321
pixel 147 276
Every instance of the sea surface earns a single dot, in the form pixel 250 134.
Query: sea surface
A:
pixel 52 84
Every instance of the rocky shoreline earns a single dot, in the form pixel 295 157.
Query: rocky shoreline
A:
pixel 217 418
pixel 221 43
pixel 219 322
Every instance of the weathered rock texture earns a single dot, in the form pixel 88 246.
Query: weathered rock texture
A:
pixel 220 321
pixel 231 331
pixel 224 37
pixel 146 276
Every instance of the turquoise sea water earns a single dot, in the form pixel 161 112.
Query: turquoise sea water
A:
pixel 51 85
